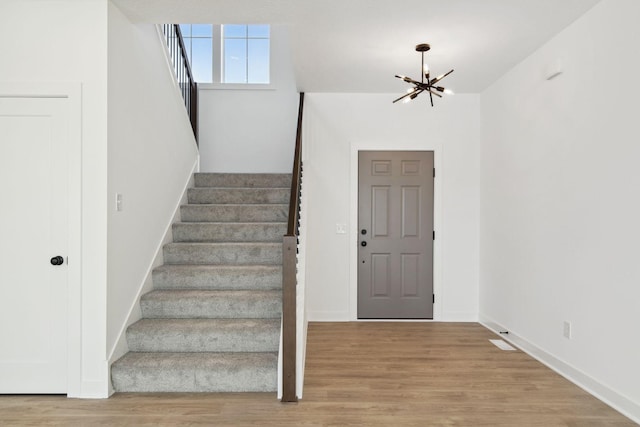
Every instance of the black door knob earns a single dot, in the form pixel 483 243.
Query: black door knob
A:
pixel 363 244
pixel 364 231
pixel 57 260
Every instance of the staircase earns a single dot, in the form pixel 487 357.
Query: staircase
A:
pixel 212 322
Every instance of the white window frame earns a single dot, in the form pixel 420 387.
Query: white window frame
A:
pixel 190 49
pixel 217 66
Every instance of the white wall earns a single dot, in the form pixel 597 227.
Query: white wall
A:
pixel 335 126
pixel 152 154
pixel 247 130
pixel 66 41
pixel 559 212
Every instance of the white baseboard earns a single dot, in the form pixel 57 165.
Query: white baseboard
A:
pixel 328 316
pixel 92 390
pixel 344 316
pixel 611 397
pixel 459 316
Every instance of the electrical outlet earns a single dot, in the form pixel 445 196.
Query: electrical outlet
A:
pixel 118 202
pixel 567 330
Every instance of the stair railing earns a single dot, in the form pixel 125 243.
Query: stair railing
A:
pixel 182 68
pixel 289 270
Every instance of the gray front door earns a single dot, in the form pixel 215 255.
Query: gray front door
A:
pixel 395 235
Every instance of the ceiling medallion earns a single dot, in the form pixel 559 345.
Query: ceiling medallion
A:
pixel 426 83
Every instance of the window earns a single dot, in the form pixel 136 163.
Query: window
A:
pixel 228 54
pixel 198 41
pixel 246 54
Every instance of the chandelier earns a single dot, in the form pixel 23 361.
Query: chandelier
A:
pixel 426 83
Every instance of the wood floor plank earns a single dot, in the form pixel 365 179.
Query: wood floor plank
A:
pixel 361 374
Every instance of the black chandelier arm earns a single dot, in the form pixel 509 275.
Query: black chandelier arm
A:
pixel 437 79
pixel 405 95
pixel 408 79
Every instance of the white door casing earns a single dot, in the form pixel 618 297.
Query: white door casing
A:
pixel 429 144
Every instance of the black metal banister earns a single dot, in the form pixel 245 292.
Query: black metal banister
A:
pixel 182 68
pixel 289 270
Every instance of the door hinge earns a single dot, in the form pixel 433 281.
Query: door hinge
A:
pixel 434 298
pixel 434 172
pixel 434 235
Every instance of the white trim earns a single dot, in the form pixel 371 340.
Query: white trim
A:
pixel 328 316
pixel 93 390
pixel 73 93
pixel 459 316
pixel 216 55
pixel 237 86
pixel 620 403
pixel 436 147
pixel 280 362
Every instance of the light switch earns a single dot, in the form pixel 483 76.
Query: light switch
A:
pixel 341 228
pixel 118 202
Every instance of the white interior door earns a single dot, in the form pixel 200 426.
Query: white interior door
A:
pixel 33 226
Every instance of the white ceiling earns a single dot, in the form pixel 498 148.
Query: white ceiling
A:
pixel 358 45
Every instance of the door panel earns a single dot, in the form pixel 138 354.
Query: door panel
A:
pixel 395 246
pixel 33 292
pixel 380 275
pixel 380 211
pixel 411 212
pixel 410 275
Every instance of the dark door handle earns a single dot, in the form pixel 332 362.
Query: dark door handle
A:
pixel 363 232
pixel 363 243
pixel 57 260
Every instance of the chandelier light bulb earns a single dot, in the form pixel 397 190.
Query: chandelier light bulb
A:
pixel 449 92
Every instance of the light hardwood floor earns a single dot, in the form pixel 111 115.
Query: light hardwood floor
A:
pixel 362 374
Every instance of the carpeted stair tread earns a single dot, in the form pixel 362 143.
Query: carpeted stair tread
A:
pixel 234 212
pixel 229 231
pixel 221 277
pixel 237 253
pixel 238 195
pixel 242 180
pixel 195 372
pixel 211 304
pixel 204 335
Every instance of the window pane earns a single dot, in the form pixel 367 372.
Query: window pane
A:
pixel 201 30
pixel 185 29
pixel 235 30
pixel 261 31
pixel 258 61
pixel 235 61
pixel 201 63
